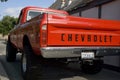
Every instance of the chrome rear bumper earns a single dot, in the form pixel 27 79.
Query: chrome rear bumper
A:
pixel 66 52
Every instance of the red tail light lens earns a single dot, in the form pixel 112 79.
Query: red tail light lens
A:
pixel 44 36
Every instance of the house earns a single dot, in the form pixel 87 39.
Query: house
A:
pixel 100 9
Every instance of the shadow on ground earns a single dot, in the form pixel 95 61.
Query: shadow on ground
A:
pixel 12 68
pixel 57 71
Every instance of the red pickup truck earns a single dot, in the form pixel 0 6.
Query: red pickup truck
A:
pixel 53 34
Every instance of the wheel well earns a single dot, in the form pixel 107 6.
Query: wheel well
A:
pixel 26 41
pixel 8 37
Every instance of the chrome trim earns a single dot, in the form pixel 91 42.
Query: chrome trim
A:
pixel 63 52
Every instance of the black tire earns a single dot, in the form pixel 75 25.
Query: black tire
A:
pixel 10 52
pixel 95 68
pixel 29 64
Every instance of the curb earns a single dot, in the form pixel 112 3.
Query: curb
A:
pixel 3 74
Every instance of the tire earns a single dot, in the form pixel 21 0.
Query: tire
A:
pixel 95 68
pixel 11 52
pixel 29 64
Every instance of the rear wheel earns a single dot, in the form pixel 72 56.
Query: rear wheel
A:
pixel 29 64
pixel 93 68
pixel 23 63
pixel 10 52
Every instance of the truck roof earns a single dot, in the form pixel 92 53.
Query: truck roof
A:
pixel 44 9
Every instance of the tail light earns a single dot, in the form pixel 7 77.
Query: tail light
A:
pixel 44 36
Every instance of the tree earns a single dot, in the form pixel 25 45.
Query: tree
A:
pixel 3 0
pixel 1 27
pixel 6 24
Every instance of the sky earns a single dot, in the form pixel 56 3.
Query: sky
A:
pixel 13 7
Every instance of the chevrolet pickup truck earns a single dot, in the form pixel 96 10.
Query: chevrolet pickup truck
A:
pixel 43 33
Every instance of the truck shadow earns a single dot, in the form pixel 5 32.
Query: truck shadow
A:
pixel 49 71
pixel 12 69
pixel 58 71
pixel 55 71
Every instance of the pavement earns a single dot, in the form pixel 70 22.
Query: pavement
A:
pixel 3 74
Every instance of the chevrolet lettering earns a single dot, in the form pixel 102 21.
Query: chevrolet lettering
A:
pixel 88 38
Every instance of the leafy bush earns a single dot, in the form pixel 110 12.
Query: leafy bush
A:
pixel 6 24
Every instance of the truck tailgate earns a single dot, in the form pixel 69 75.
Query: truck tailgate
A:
pixel 74 31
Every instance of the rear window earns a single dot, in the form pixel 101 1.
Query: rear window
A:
pixel 31 14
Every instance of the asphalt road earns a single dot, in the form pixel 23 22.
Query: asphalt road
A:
pixel 54 72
